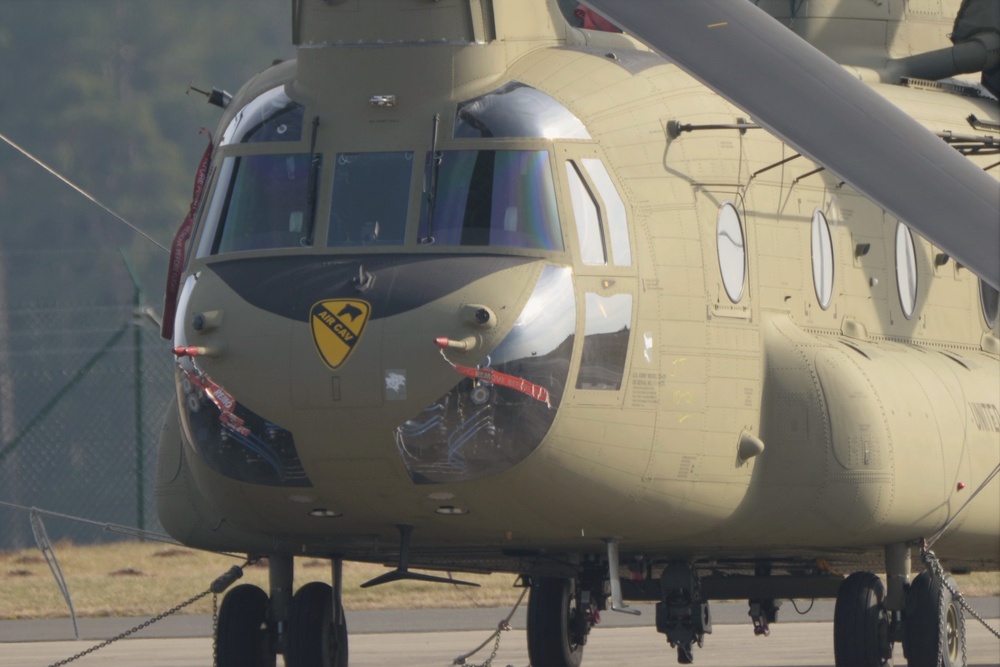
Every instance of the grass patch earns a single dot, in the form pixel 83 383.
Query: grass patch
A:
pixel 145 579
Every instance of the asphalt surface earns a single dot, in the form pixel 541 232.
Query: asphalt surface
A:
pixel 434 638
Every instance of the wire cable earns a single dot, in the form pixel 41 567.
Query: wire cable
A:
pixel 80 190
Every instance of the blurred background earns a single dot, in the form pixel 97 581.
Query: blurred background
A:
pixel 98 89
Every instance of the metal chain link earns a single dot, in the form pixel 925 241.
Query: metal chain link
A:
pixel 502 627
pixel 218 586
pixel 493 654
pixel 128 633
pixel 215 630
pixel 933 565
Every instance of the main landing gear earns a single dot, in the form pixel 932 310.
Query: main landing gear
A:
pixel 309 628
pixel 924 615
pixel 934 627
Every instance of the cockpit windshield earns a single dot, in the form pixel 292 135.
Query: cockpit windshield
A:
pixel 494 198
pixel 371 193
pixel 266 204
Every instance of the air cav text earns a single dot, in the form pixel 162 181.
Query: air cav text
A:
pixel 337 327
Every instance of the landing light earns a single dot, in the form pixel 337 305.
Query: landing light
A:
pixel 323 513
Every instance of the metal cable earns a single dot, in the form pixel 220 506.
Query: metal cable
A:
pixel 80 190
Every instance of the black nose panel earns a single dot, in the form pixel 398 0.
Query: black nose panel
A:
pixel 392 284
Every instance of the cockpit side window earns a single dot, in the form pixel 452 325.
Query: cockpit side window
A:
pixel 494 198
pixel 371 193
pixel 615 210
pixel 588 219
pixel 266 203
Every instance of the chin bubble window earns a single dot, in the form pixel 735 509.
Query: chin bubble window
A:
pixel 498 412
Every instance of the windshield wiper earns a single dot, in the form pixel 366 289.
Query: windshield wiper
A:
pixel 314 164
pixel 432 189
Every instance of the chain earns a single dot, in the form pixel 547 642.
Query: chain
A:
pixel 502 627
pixel 128 633
pixel 493 654
pixel 934 567
pixel 215 630
pixel 218 586
pixel 936 571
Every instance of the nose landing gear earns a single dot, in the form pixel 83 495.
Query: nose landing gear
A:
pixel 241 633
pixel 309 628
pixel 317 629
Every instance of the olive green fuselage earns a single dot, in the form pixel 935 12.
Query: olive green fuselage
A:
pixel 690 409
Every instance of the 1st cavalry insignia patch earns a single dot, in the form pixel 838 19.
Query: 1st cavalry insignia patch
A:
pixel 336 328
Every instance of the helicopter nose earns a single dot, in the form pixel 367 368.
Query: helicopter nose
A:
pixel 453 364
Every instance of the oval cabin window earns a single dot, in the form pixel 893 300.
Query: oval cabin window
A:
pixel 906 270
pixel 732 251
pixel 822 259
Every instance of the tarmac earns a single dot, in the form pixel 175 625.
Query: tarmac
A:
pixel 435 637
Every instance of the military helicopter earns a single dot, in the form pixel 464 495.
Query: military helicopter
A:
pixel 681 313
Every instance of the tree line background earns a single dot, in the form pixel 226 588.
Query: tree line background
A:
pixel 98 90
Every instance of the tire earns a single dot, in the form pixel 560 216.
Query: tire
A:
pixel 242 638
pixel 549 608
pixel 860 624
pixel 934 622
pixel 313 639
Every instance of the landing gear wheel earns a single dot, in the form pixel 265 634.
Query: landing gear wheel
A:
pixel 551 613
pixel 934 624
pixel 316 638
pixel 860 623
pixel 241 634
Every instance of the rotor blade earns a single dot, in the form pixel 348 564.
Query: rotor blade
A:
pixel 813 104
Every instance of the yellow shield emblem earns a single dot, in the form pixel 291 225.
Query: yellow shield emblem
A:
pixel 337 326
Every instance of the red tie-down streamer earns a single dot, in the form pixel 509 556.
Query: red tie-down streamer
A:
pixel 181 239
pixel 496 378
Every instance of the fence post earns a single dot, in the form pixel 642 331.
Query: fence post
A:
pixel 140 440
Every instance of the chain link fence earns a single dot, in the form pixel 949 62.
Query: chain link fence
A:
pixel 83 390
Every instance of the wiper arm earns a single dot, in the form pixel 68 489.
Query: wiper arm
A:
pixel 432 188
pixel 314 164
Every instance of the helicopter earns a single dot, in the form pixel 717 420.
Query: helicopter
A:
pixel 705 308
